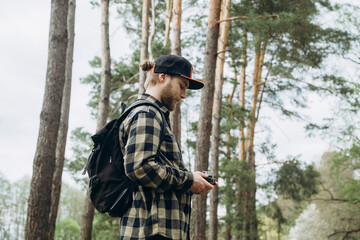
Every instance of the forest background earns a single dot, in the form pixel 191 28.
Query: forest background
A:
pixel 23 60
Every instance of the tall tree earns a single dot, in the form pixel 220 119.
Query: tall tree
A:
pixel 198 220
pixel 88 212
pixel 153 29
pixel 64 121
pixel 144 53
pixel 37 225
pixel 175 116
pixel 169 6
pixel 251 220
pixel 277 60
pixel 216 117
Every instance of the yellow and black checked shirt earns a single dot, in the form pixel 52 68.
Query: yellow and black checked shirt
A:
pixel 162 203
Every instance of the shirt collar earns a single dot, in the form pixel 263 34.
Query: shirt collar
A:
pixel 148 97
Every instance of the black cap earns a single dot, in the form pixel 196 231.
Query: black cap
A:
pixel 176 65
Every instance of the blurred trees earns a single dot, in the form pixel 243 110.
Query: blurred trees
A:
pixel 13 207
pixel 13 204
pixel 334 212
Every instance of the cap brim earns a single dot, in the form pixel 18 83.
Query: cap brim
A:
pixel 194 84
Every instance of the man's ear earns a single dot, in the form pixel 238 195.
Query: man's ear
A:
pixel 162 77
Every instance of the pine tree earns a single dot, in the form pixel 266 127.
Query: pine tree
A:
pixel 216 117
pixel 175 116
pixel 198 219
pixel 65 109
pixel 37 224
pixel 88 212
pixel 144 53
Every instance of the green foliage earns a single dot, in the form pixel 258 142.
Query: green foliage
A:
pixel 124 84
pixel 5 202
pixel 234 116
pixel 271 219
pixel 348 15
pixel 13 207
pixel 347 161
pixel 334 211
pixel 71 200
pixel 295 43
pixel 105 227
pixel 67 229
pixel 295 181
pixel 131 15
pixel 81 148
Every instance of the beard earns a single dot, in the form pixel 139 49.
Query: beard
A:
pixel 168 99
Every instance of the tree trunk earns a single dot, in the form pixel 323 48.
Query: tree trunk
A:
pixel 169 6
pixel 222 43
pixel 37 225
pixel 242 97
pixel 87 218
pixel 64 122
pixel 88 214
pixel 144 42
pixel 105 67
pixel 176 32
pixel 175 116
pixel 229 207
pixel 250 154
pixel 152 33
pixel 241 191
pixel 198 220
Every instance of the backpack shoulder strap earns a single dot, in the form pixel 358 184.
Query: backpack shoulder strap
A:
pixel 141 103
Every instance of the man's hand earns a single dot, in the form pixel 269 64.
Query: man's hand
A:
pixel 200 185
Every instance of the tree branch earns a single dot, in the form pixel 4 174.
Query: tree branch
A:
pixel 327 190
pixel 346 233
pixel 352 60
pixel 246 17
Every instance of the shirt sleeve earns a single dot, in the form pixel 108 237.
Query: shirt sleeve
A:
pixel 140 160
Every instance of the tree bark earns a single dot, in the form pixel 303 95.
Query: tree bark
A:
pixel 229 207
pixel 37 222
pixel 152 33
pixel 204 125
pixel 64 121
pixel 251 225
pixel 105 66
pixel 169 6
pixel 88 214
pixel 219 80
pixel 87 218
pixel 175 116
pixel 241 191
pixel 242 97
pixel 144 55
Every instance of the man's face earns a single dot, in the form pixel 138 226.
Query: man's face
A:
pixel 173 91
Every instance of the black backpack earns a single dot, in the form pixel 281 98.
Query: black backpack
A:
pixel 110 189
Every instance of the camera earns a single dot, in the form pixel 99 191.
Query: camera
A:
pixel 210 178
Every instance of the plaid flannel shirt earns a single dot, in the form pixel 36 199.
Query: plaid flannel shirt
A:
pixel 161 205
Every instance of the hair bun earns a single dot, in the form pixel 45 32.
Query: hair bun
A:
pixel 147 65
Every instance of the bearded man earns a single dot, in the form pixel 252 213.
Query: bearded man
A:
pixel 162 202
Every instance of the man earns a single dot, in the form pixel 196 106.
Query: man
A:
pixel 161 205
